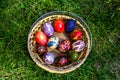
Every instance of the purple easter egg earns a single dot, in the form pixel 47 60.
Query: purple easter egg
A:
pixel 78 46
pixel 41 49
pixel 49 58
pixel 48 29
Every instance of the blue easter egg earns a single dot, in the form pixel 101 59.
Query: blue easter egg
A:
pixel 70 25
pixel 53 42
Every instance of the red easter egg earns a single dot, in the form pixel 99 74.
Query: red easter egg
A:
pixel 76 35
pixel 41 38
pixel 64 45
pixel 62 61
pixel 58 25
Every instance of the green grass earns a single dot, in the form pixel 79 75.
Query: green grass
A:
pixel 102 17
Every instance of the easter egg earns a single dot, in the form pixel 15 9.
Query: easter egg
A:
pixel 62 61
pixel 78 46
pixel 41 49
pixel 58 25
pixel 76 35
pixel 73 56
pixel 64 45
pixel 70 25
pixel 53 42
pixel 49 58
pixel 41 38
pixel 48 29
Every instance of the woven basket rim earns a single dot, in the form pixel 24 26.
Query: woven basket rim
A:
pixel 67 14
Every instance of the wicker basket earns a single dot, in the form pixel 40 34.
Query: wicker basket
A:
pixel 50 17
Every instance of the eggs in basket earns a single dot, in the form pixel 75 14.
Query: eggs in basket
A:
pixel 58 43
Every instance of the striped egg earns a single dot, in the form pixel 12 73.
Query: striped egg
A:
pixel 48 29
pixel 78 46
pixel 53 42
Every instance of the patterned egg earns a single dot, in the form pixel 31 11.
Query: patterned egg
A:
pixel 76 35
pixel 53 42
pixel 48 29
pixel 78 46
pixel 49 58
pixel 41 49
pixel 58 25
pixel 73 56
pixel 70 25
pixel 64 45
pixel 62 61
pixel 41 38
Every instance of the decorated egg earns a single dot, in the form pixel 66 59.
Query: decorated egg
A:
pixel 41 49
pixel 53 42
pixel 76 35
pixel 78 46
pixel 70 25
pixel 62 61
pixel 48 29
pixel 41 38
pixel 73 56
pixel 64 45
pixel 58 25
pixel 49 58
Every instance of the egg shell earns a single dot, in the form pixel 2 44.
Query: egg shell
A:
pixel 41 38
pixel 70 25
pixel 53 42
pixel 49 58
pixel 73 56
pixel 64 45
pixel 76 35
pixel 48 29
pixel 62 61
pixel 78 46
pixel 41 49
pixel 58 25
